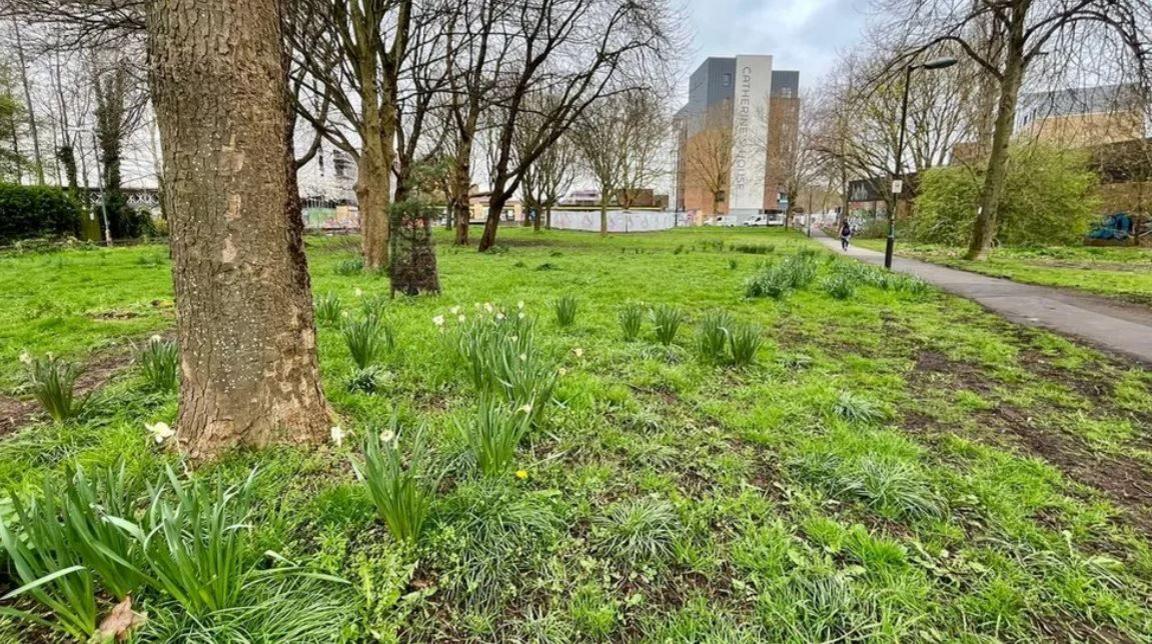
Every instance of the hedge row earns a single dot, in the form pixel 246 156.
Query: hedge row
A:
pixel 28 212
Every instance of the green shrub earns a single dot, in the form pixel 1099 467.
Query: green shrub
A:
pixel 1048 198
pixel 565 308
pixel 53 384
pixel 631 321
pixel 367 341
pixel 712 336
pixel 28 212
pixel 637 531
pixel 494 433
pixel 666 320
pixel 159 362
pixel 401 484
pixel 753 249
pixel 893 488
pixel 329 309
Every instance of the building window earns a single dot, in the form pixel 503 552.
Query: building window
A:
pixel 727 80
pixel 340 165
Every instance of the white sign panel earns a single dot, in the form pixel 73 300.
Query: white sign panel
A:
pixel 749 133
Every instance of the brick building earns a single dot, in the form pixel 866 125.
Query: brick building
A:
pixel 732 136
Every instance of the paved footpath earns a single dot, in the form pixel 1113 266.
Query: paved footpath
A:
pixel 1102 322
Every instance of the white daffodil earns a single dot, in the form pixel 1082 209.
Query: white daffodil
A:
pixel 438 320
pixel 358 292
pixel 521 315
pixel 387 436
pixel 520 304
pixel 525 409
pixel 461 319
pixel 523 357
pixel 514 338
pixel 562 371
pixel 579 352
pixel 343 314
pixel 455 310
pixel 488 307
pixel 160 431
pixel 499 316
pixel 155 339
pixel 26 357
pixel 337 435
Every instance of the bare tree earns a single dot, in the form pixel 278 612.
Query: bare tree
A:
pixel 1006 38
pixel 578 51
pixel 249 374
pixel 30 108
pixel 618 139
pixel 348 55
pixel 549 178
pixel 708 154
pixel 120 104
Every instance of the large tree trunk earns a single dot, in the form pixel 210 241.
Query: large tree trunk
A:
pixel 373 185
pixel 249 374
pixel 495 210
pixel 984 228
pixel 461 186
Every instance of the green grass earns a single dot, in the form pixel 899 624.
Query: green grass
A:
pixel 1121 272
pixel 895 465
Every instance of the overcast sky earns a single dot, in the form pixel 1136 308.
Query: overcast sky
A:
pixel 804 35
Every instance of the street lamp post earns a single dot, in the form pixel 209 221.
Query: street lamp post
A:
pixel 898 177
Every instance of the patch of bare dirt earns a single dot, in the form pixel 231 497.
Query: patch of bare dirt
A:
pixel 1127 481
pixel 18 412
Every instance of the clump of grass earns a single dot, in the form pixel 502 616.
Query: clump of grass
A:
pixel 855 408
pixel 351 266
pixel 753 249
pixel 637 531
pixel 494 433
pixel 367 340
pixel 631 321
pixel 893 488
pixel 401 485
pixel 368 380
pixel 768 282
pixel 744 341
pixel 492 534
pixel 840 287
pixel 159 362
pixel 62 549
pixel 53 384
pixel 666 320
pixel 565 308
pixel 329 309
pixel 712 336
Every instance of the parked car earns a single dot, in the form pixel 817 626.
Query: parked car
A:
pixel 758 220
pixel 720 220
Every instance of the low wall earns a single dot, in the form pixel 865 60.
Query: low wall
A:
pixel 619 221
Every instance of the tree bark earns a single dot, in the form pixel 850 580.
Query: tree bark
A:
pixel 249 375
pixel 603 217
pixel 984 228
pixel 461 186
pixel 495 209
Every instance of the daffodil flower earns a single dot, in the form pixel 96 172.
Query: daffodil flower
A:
pixel 522 474
pixel 358 292
pixel 337 436
pixel 160 431
pixel 579 352
pixel 438 320
pixel 26 357
pixel 387 436
pixel 156 338
pixel 526 408
pixel 520 304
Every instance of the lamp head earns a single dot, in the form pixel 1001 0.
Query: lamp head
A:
pixel 939 63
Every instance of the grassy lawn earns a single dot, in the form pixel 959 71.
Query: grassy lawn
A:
pixel 1121 272
pixel 897 464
